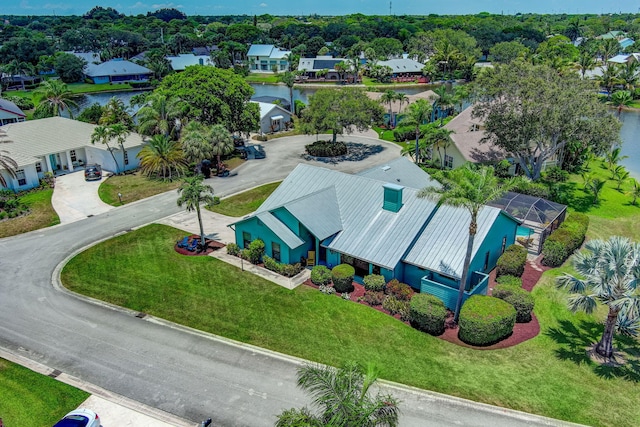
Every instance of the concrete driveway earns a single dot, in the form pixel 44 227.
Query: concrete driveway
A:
pixel 75 199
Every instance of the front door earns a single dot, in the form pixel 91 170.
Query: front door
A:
pixel 54 162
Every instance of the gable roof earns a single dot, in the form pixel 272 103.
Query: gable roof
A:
pixel 268 50
pixel 466 136
pixel 266 109
pixel 403 65
pixel 184 60
pixel 88 57
pixel 401 171
pixel 10 107
pixel 305 209
pixel 319 63
pixel 115 67
pixel 33 139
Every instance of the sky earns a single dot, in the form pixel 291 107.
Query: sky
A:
pixel 322 7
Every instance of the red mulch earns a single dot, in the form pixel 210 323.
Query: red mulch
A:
pixel 521 331
pixel 212 245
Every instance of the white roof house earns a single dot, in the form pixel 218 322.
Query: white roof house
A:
pixel 267 57
pixel 10 112
pixel 62 145
pixel 117 71
pixel 184 60
pixel 273 118
pixel 403 66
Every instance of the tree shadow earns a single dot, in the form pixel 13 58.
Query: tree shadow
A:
pixel 574 340
pixel 355 152
pixel 569 194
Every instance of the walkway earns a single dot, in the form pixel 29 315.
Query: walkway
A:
pixel 75 199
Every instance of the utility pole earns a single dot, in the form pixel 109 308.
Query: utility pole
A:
pixel 390 7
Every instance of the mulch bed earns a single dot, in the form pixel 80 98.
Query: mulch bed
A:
pixel 212 245
pixel 521 331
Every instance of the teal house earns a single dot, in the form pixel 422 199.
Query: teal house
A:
pixel 376 222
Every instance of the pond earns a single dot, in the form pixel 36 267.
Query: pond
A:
pixel 630 135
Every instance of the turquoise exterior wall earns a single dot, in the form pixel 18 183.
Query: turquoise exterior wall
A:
pixel 504 226
pixel 259 231
pixel 100 79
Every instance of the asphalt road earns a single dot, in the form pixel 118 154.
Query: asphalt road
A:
pixel 186 373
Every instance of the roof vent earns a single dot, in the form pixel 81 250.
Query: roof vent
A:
pixel 392 197
pixel 386 168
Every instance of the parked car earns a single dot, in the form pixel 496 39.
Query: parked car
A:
pixel 258 152
pixel 93 172
pixel 81 417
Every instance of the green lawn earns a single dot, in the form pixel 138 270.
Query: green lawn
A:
pixel 134 186
pixel 41 214
pixel 32 399
pixel 246 202
pixel 75 88
pixel 268 78
pixel 547 375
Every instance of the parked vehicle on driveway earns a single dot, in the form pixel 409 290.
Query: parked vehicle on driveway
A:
pixel 81 417
pixel 93 172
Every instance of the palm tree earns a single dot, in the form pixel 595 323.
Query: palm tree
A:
pixel 417 114
pixel 193 192
pixel 607 274
pixel 444 102
pixel 628 75
pixel 56 98
pixel 195 142
pixel 103 135
pixel 461 93
pixel 401 98
pixel 387 98
pixel 119 132
pixel 115 112
pixel 586 62
pixel 343 398
pixel 289 79
pixel 221 143
pixel 6 161
pixel 620 175
pixel 634 191
pixel 596 185
pixel 162 157
pixel 613 157
pixel 470 188
pixel 621 99
pixel 608 79
pixel 160 115
pixel 440 138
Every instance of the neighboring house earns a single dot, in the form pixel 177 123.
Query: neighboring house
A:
pixel 398 109
pixel 376 222
pixel 88 57
pixel 405 69
pixel 284 103
pixel 614 34
pixel 267 58
pixel 10 113
pixel 117 71
pixel 60 145
pixel 625 58
pixel 273 118
pixel 323 68
pixel 184 60
pixel 204 50
pixel 19 81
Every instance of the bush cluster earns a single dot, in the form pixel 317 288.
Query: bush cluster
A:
pixel 374 282
pixel 565 239
pixel 287 270
pixel 401 291
pixel 342 277
pixel 510 280
pixel 373 298
pixel 485 320
pixel 255 251
pixel 512 261
pixel 427 313
pixel 531 188
pixel 395 306
pixel 320 275
pixel 233 249
pixel 519 298
pixel 329 290
pixel 326 149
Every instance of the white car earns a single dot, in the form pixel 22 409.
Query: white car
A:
pixel 81 417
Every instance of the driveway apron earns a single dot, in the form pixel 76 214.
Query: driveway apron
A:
pixel 75 199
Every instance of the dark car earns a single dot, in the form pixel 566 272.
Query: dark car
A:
pixel 258 152
pixel 93 172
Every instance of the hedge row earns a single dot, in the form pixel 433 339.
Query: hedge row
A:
pixel 485 320
pixel 287 270
pixel 512 261
pixel 326 149
pixel 427 313
pixel 519 298
pixel 565 239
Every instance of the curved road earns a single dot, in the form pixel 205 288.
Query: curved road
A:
pixel 186 373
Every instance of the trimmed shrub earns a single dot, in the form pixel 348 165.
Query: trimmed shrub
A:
pixel 485 320
pixel 342 277
pixel 510 281
pixel 401 291
pixel 326 149
pixel 395 306
pixel 512 261
pixel 271 264
pixel 233 249
pixel 320 275
pixel 373 298
pixel 374 282
pixel 287 270
pixel 519 298
pixel 427 313
pixel 256 250
pixel 565 240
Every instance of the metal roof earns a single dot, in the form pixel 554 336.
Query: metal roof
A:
pixel 10 107
pixel 34 139
pixel 116 67
pixel 260 50
pixel 184 60
pixel 403 65
pixel 281 230
pixel 401 171
pixel 266 109
pixel 305 209
pixel 442 245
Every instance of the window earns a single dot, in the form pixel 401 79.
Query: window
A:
pixel 275 251
pixel 486 261
pixel 246 239
pixel 375 269
pixel 126 157
pixel 72 153
pixel 38 167
pixel 448 161
pixel 504 244
pixel 22 180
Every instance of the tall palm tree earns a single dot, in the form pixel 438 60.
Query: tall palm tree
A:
pixel 387 98
pixel 119 132
pixel 221 143
pixel 289 79
pixel 441 139
pixel 628 75
pixel 445 101
pixel 115 112
pixel 103 135
pixel 160 115
pixel 55 99
pixel 193 192
pixel 607 273
pixel 196 143
pixel 470 188
pixel 586 62
pixel 417 114
pixel 343 397
pixel 401 98
pixel 620 99
pixel 609 78
pixel 162 157
pixel 614 157
pixel 6 161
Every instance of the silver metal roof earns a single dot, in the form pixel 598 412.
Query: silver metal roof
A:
pixel 401 171
pixel 305 209
pixel 442 245
pixel 275 225
pixel 115 67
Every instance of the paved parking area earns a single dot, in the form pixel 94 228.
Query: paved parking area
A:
pixel 75 199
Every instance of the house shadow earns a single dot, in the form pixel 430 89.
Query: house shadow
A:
pixel 355 153
pixel 574 340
